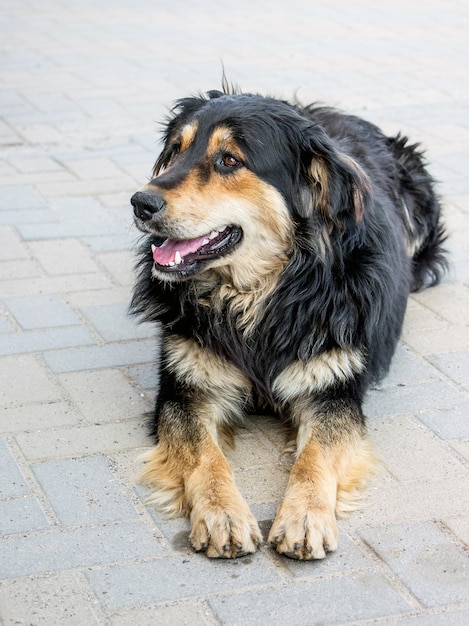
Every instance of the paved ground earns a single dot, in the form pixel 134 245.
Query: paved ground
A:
pixel 81 86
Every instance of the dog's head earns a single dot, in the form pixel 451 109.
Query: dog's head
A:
pixel 239 177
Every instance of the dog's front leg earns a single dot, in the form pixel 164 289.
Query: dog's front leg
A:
pixel 200 397
pixel 189 475
pixel 333 462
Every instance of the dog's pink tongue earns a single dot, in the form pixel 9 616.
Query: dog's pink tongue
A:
pixel 167 251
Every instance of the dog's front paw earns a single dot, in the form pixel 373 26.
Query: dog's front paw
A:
pixel 224 533
pixel 303 531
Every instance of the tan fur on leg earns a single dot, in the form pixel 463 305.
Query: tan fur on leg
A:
pixel 203 488
pixel 323 481
pixel 222 523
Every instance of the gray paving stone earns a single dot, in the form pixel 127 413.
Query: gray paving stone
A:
pixel 109 243
pixel 113 323
pixel 412 399
pixel 21 515
pixel 452 618
pixel 51 600
pixel 47 339
pixel 41 311
pixel 452 423
pixel 178 577
pixel 419 454
pixel 430 566
pixel 100 438
pixel 20 197
pixel 69 256
pixel 183 612
pixel 455 365
pixel 12 481
pixel 76 548
pixel 33 216
pixel 104 395
pixel 12 247
pixel 322 601
pixel 14 371
pixel 5 326
pixel 99 357
pixel 408 368
pixel 83 491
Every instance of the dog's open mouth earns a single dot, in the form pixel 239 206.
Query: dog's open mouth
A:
pixel 184 255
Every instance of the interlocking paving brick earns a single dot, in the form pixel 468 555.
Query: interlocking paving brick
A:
pixel 12 481
pixel 183 612
pixel 368 596
pixel 407 367
pixel 452 618
pixel 450 301
pixel 454 365
pixel 109 355
pixel 411 398
pixel 20 197
pixel 76 548
pixel 431 567
pixel 63 257
pixel 21 515
pixel 103 396
pixel 452 423
pixel 12 247
pixel 83 491
pixel 178 577
pixel 49 600
pixel 93 439
pixel 41 311
pixel 418 455
pixel 113 323
pixel 24 381
pixel 47 339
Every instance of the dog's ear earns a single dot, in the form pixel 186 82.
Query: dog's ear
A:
pixel 339 187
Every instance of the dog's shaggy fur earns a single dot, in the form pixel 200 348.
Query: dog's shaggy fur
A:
pixel 281 245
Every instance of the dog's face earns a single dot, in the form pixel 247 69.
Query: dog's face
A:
pixel 236 175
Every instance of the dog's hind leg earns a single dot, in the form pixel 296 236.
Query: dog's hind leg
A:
pixel 333 462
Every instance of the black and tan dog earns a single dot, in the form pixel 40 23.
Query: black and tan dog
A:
pixel 281 245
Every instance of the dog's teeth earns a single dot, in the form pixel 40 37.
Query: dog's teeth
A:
pixel 213 234
pixel 177 257
pixel 153 248
pixel 205 242
pixel 171 264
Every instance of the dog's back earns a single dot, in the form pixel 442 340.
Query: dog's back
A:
pixel 403 165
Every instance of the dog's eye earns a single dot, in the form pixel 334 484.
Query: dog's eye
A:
pixel 229 160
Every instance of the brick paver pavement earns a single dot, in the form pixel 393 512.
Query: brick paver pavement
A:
pixel 82 85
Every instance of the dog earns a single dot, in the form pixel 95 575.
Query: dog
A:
pixel 280 245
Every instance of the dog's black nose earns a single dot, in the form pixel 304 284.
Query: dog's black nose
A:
pixel 146 204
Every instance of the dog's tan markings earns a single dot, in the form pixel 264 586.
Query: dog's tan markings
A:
pixel 187 135
pixel 224 388
pixel 327 480
pixel 195 479
pixel 202 368
pixel 318 373
pixel 320 176
pixel 222 140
